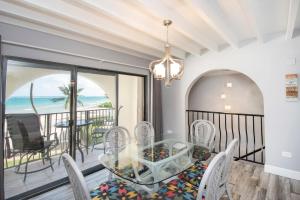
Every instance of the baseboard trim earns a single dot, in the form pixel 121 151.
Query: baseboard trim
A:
pixel 282 172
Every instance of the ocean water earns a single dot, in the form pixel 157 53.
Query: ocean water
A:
pixel 47 105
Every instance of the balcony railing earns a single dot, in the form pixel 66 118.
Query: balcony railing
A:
pixel 48 121
pixel 247 128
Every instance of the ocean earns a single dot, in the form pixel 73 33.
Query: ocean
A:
pixel 45 104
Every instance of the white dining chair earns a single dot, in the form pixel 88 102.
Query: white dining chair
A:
pixel 208 188
pixel 116 139
pixel 195 173
pixel 224 186
pixel 202 133
pixel 106 190
pixel 144 133
pixel 79 186
pixel 210 183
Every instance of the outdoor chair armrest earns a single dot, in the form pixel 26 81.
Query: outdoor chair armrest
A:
pixel 55 138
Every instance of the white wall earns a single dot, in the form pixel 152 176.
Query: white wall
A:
pixel 130 95
pixel 26 43
pixel 43 46
pixel 266 64
pixel 243 97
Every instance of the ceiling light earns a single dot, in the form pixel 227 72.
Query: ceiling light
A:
pixel 229 84
pixel 227 107
pixel 223 96
pixel 167 68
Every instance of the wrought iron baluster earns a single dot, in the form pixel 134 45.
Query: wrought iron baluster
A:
pixel 262 139
pixel 226 137
pixel 239 129
pixel 246 131
pixel 220 131
pixel 253 126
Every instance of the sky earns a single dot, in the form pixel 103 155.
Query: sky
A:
pixel 48 86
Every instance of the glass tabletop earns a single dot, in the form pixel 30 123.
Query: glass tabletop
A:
pixel 148 165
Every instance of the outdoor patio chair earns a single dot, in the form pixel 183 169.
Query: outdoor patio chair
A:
pixel 100 127
pixel 28 141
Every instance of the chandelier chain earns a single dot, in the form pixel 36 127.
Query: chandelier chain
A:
pixel 167 34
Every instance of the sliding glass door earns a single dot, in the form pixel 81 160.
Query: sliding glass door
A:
pixel 51 109
pixel 96 113
pixel 37 130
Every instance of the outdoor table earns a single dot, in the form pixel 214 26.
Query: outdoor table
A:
pixel 79 127
pixel 150 165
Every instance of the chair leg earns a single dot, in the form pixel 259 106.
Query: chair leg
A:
pixel 60 155
pixel 20 163
pixel 43 158
pixel 50 160
pixel 228 192
pixel 93 146
pixel 59 159
pixel 110 176
pixel 26 166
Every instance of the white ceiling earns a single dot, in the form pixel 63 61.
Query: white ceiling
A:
pixel 198 25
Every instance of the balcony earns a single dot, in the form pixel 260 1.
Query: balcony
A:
pixel 101 118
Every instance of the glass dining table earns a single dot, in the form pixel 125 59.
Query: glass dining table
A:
pixel 147 166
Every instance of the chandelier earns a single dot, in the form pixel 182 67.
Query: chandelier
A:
pixel 167 68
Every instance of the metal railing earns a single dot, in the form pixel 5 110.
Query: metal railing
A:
pixel 48 122
pixel 247 128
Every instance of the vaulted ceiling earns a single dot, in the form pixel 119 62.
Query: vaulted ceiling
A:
pixel 136 25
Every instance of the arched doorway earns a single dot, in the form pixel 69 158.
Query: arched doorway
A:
pixel 234 103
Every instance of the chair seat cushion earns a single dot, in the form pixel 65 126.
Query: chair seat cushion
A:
pixel 159 152
pixel 126 171
pixel 175 190
pixel 194 173
pixel 115 190
pixel 201 153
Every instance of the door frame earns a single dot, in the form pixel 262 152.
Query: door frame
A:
pixel 74 69
pixel 2 110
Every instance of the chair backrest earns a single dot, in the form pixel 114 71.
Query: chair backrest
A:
pixel 229 159
pixel 24 131
pixel 144 133
pixel 116 139
pixel 211 179
pixel 202 132
pixel 79 186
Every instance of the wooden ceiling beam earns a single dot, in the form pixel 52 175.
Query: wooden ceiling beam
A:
pixel 160 10
pixel 211 12
pixel 126 14
pixel 57 26
pixel 249 10
pixel 292 17
pixel 81 18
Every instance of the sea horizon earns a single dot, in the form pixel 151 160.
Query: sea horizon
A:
pixel 46 104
